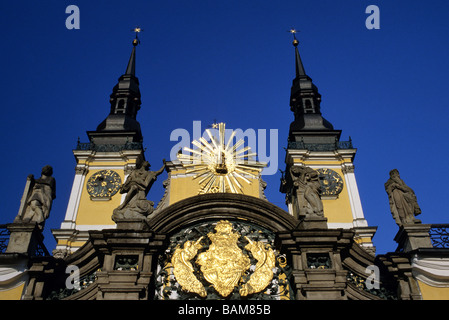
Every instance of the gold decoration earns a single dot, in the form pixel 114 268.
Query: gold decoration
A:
pixel 331 182
pixel 104 183
pixel 183 269
pixel 224 263
pixel 221 165
pixel 263 274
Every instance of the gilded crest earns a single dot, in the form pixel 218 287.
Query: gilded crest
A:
pixel 223 264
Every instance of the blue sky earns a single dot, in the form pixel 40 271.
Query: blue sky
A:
pixel 232 61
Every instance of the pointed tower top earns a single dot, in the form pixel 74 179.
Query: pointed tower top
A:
pixel 121 125
pixel 305 100
pixel 131 68
pixel 299 66
pixel 300 72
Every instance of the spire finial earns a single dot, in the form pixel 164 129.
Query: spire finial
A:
pixel 136 41
pixel 131 69
pixel 299 67
pixel 293 31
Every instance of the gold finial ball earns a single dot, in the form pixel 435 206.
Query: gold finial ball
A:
pixel 295 42
pixel 135 42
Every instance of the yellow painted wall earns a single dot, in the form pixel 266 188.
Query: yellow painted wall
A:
pixel 13 293
pixel 183 187
pixel 338 210
pixel 97 212
pixel 433 293
pixel 335 210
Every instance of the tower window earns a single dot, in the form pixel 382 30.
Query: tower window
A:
pixel 308 107
pixel 120 109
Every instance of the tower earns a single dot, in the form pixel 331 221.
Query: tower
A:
pixel 313 142
pixel 103 163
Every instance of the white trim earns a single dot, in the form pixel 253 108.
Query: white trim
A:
pixel 106 167
pixel 88 227
pixel 354 199
pixel 339 225
pixel 431 271
pixel 74 202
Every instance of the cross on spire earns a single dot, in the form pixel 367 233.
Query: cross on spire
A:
pixel 293 31
pixel 137 30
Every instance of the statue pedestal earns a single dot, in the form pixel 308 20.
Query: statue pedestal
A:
pixel 413 236
pixel 25 238
pixel 132 224
pixel 312 222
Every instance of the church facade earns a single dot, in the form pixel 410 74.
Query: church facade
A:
pixel 214 235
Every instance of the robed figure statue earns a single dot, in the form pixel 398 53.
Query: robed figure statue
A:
pixel 403 203
pixel 38 198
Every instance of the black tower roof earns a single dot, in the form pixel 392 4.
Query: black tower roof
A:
pixel 121 126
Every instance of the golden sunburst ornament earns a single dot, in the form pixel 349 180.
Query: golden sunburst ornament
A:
pixel 221 166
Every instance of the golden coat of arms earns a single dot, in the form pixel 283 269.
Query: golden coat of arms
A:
pixel 224 263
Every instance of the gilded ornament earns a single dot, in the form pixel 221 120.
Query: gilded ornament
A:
pixel 183 269
pixel 331 182
pixel 263 274
pixel 221 166
pixel 223 264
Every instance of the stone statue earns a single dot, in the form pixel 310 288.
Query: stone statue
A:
pixel 308 190
pixel 37 198
pixel 136 187
pixel 403 203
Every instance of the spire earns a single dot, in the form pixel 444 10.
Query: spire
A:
pixel 299 66
pixel 121 126
pixel 131 68
pixel 305 103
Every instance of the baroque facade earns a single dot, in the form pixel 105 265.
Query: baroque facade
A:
pixel 214 235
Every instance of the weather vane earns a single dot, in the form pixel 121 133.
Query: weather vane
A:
pixel 293 31
pixel 136 41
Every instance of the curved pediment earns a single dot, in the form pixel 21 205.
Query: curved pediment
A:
pixel 221 206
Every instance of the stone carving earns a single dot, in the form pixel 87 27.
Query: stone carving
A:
pixel 37 198
pixel 308 191
pixel 136 187
pixel 60 253
pixel 403 203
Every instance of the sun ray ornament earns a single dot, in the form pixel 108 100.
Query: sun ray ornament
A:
pixel 219 165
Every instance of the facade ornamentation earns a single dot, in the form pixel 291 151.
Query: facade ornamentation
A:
pixel 224 263
pixel 263 274
pixel 221 166
pixel 103 184
pixel 223 260
pixel 331 182
pixel 183 269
